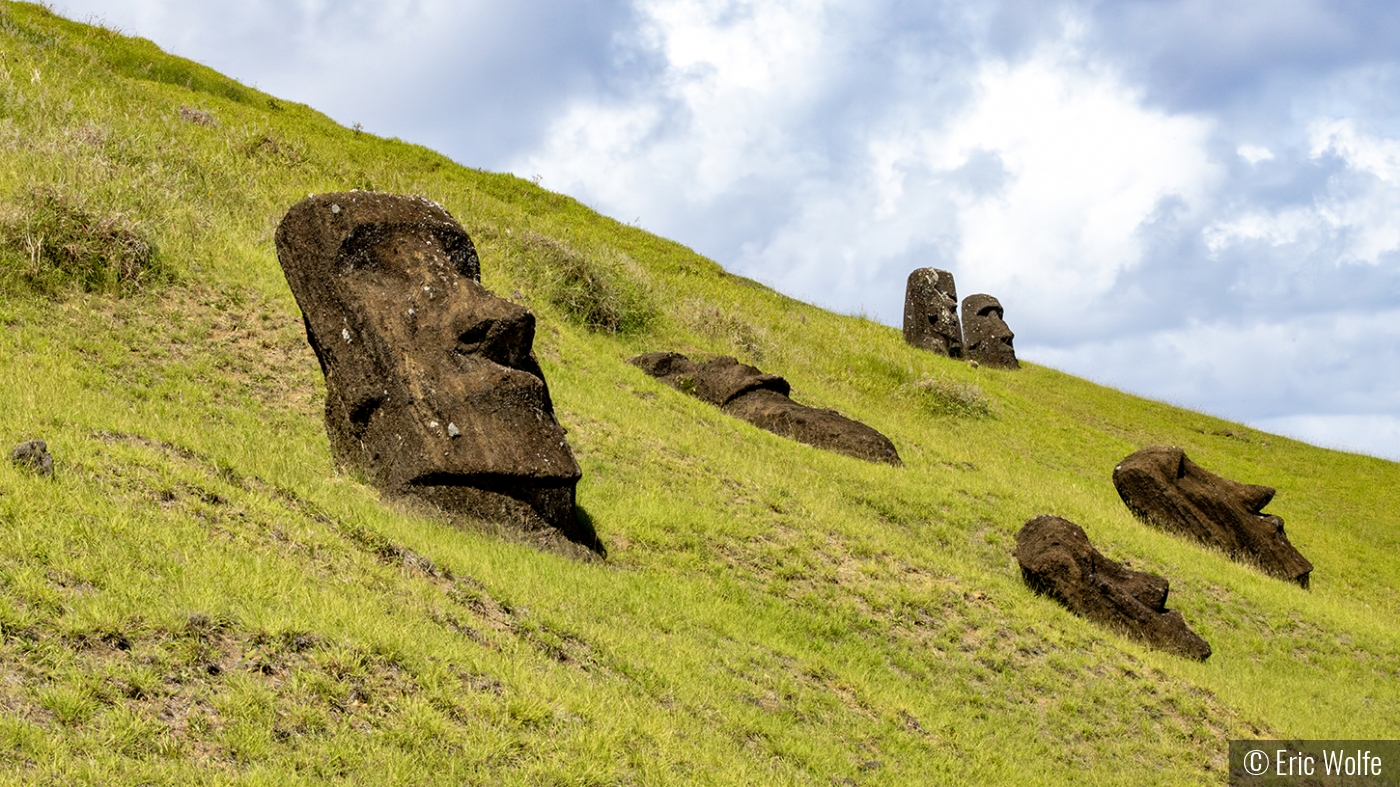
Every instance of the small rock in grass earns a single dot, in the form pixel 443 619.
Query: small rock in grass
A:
pixel 34 455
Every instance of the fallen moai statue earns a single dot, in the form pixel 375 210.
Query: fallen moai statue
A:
pixel 1162 487
pixel 931 312
pixel 1058 561
pixel 986 336
pixel 432 390
pixel 762 399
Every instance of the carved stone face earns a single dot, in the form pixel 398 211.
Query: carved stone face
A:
pixel 987 335
pixel 431 386
pixel 1057 560
pixel 1164 488
pixel 931 312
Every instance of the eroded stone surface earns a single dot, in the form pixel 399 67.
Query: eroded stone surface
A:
pixel 33 455
pixel 431 386
pixel 1164 488
pixel 986 335
pixel 747 393
pixel 931 312
pixel 1057 560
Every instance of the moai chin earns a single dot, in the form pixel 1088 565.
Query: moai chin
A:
pixel 987 334
pixel 931 312
pixel 432 390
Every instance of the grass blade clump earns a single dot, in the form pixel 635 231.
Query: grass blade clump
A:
pixel 51 244
pixel 604 290
pixel 941 396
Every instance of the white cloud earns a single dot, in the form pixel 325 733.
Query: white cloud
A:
pixel 1087 165
pixel 1068 161
pixel 1376 434
pixel 1254 153
pixel 1353 221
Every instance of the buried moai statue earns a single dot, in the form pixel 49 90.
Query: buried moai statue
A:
pixel 432 390
pixel 931 312
pixel 986 336
pixel 1162 487
pixel 1058 561
pixel 762 399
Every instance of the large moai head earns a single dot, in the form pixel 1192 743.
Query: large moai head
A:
pixel 931 312
pixel 1163 487
pixel 431 386
pixel 987 335
pixel 1058 561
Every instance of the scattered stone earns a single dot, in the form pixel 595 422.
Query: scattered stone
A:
pixel 1058 561
pixel 33 455
pixel 408 340
pixel 200 117
pixel 1164 488
pixel 986 334
pixel 762 399
pixel 931 312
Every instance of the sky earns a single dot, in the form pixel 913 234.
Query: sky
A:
pixel 1197 201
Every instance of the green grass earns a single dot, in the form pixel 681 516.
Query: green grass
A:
pixel 198 597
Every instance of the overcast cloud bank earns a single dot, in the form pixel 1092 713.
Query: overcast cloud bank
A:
pixel 1190 202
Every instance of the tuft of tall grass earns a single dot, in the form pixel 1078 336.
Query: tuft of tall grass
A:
pixel 604 290
pixel 941 396
pixel 739 334
pixel 51 244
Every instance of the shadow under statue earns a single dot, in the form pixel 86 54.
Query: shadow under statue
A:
pixel 432 390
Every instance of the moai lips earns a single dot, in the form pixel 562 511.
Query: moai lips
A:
pixel 931 312
pixel 986 335
pixel 431 386
pixel 1058 561
pixel 1164 488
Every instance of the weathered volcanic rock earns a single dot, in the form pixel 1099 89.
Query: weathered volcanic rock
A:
pixel 431 386
pixel 931 312
pixel 33 455
pixel 762 399
pixel 1057 560
pixel 985 334
pixel 1166 489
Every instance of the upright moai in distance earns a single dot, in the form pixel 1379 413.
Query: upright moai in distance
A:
pixel 931 312
pixel 988 336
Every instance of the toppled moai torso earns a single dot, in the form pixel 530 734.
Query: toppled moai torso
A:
pixel 431 386
pixel 1057 560
pixel 986 336
pixel 931 312
pixel 1162 487
pixel 762 399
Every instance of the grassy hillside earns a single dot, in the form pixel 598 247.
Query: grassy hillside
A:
pixel 198 596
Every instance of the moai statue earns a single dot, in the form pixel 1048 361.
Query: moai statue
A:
pixel 747 393
pixel 1058 561
pixel 931 312
pixel 988 337
pixel 1164 488
pixel 432 390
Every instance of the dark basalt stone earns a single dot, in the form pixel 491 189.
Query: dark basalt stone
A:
pixel 432 390
pixel 1164 488
pixel 1058 561
pixel 33 455
pixel 986 334
pixel 747 393
pixel 931 312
